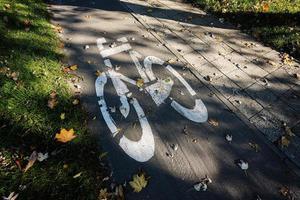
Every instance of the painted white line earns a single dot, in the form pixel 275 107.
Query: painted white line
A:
pixel 135 57
pixel 115 50
pixel 197 114
pixel 142 150
pixel 122 39
pixel 148 62
pixel 121 89
pixel 99 85
pixel 100 42
pixel 182 80
pixel 107 63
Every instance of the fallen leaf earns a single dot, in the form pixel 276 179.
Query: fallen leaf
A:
pixel 31 161
pixel 41 157
pixel 243 165
pixel 12 196
pixel 140 82
pixel 228 138
pixel 265 7
pixel 75 102
pixel 102 155
pixel 77 175
pixel 203 184
pixel 284 141
pixel 104 195
pixel 98 73
pixel 65 135
pixel 63 116
pixel 73 67
pixel 213 122
pixel 138 183
pixel 254 146
pixel 120 192
pixel 52 101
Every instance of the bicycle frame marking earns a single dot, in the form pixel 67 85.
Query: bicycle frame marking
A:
pixel 143 149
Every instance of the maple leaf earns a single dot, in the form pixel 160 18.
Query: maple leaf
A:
pixel 65 135
pixel 138 183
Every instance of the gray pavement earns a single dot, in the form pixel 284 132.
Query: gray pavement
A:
pixel 241 89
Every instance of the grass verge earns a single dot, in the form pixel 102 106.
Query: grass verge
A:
pixel 274 22
pixel 30 70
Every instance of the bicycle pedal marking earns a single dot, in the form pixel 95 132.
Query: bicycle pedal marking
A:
pixel 159 90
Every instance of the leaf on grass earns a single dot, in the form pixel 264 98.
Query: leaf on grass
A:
pixel 41 157
pixel 140 82
pixel 102 155
pixel 12 196
pixel 77 175
pixel 213 122
pixel 31 161
pixel 63 116
pixel 138 183
pixel 75 102
pixel 65 135
pixel 52 101
pixel 265 7
pixel 73 67
pixel 104 195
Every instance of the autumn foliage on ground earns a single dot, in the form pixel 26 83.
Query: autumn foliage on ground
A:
pixel 45 150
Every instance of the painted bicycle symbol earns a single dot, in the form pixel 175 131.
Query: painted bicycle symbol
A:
pixel 143 149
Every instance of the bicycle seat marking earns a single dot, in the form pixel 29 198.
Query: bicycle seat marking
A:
pixel 159 90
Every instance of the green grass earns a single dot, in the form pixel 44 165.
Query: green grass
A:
pixel 29 46
pixel 278 26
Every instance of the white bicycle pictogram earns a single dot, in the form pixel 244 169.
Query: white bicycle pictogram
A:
pixel 143 149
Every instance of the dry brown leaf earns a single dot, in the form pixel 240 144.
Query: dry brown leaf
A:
pixel 104 195
pixel 98 73
pixel 254 146
pixel 284 141
pixel 31 161
pixel 213 122
pixel 265 7
pixel 284 191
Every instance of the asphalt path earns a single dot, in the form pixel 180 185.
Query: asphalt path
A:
pixel 152 113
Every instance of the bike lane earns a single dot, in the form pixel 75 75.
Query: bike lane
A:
pixel 185 150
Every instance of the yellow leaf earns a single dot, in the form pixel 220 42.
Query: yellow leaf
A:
pixel 140 82
pixel 63 116
pixel 73 67
pixel 138 183
pixel 65 135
